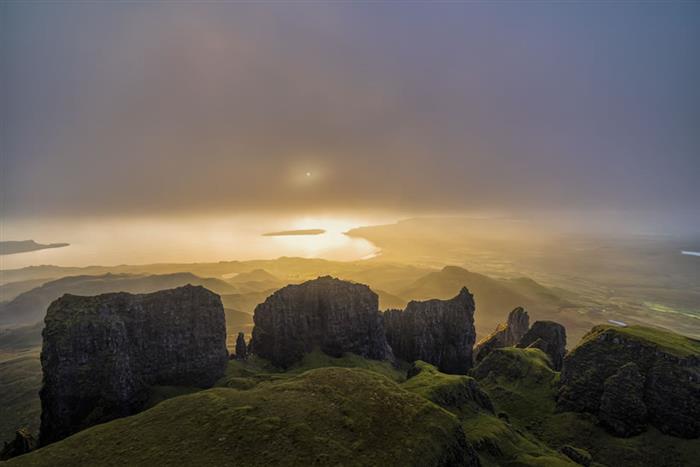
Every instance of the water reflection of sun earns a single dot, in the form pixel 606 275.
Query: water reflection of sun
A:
pixel 331 244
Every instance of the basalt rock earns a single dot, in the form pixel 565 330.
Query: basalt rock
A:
pixel 507 335
pixel 596 379
pixel 548 336
pixel 439 332
pixel 580 456
pixel 101 354
pixel 241 350
pixel 622 409
pixel 22 444
pixel 326 313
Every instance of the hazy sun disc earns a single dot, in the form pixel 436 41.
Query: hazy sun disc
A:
pixel 308 174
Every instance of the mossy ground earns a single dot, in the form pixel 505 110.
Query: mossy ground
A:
pixel 325 416
pixel 353 411
pixel 671 342
pixel 19 393
pixel 522 387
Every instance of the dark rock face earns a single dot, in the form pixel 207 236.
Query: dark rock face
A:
pixel 622 408
pixel 241 350
pixel 333 315
pixel 22 444
pixel 101 354
pixel 507 335
pixel 549 337
pixel 580 456
pixel 440 332
pixel 595 375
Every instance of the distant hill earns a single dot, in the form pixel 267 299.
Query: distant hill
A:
pixel 256 280
pixel 10 290
pixel 388 301
pixel 237 321
pixel 245 302
pixel 495 298
pixel 24 246
pixel 30 307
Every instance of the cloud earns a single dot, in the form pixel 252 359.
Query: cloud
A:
pixel 123 109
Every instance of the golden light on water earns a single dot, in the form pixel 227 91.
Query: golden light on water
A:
pixel 192 239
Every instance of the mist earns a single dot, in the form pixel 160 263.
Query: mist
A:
pixel 141 110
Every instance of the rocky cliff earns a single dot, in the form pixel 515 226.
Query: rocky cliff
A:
pixel 505 335
pixel 549 337
pixel 101 354
pixel 661 387
pixel 326 313
pixel 440 332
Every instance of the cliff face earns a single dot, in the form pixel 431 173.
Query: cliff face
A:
pixel 507 335
pixel 101 354
pixel 333 315
pixel 662 387
pixel 549 337
pixel 440 332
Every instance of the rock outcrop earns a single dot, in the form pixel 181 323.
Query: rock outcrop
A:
pixel 439 332
pixel 596 378
pixel 622 409
pixel 101 354
pixel 505 335
pixel 549 337
pixel 580 456
pixel 241 349
pixel 23 443
pixel 326 313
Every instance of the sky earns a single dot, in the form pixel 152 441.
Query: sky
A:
pixel 152 109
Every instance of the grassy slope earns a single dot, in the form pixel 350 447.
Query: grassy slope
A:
pixel 522 386
pixel 668 341
pixel 496 441
pixel 19 399
pixel 327 416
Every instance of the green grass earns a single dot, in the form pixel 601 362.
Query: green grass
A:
pixel 521 385
pixel 671 342
pixel 354 411
pixel 326 416
pixel 457 393
pixel 497 442
pixel 246 374
pixel 20 381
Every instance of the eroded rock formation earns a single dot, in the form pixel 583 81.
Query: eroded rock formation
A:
pixel 622 408
pixel 23 443
pixel 101 354
pixel 241 349
pixel 440 332
pixel 326 313
pixel 549 337
pixel 596 378
pixel 505 335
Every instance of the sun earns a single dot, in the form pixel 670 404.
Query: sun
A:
pixel 308 174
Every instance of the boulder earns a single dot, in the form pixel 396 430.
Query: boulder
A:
pixel 580 456
pixel 668 363
pixel 505 335
pixel 548 336
pixel 21 444
pixel 241 350
pixel 622 409
pixel 326 313
pixel 102 354
pixel 439 332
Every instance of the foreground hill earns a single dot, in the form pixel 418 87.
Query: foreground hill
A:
pixel 329 416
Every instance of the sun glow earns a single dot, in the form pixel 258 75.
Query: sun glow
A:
pixel 190 239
